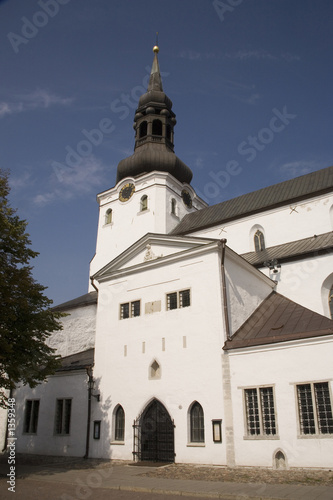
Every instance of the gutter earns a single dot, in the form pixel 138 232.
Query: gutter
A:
pixel 224 290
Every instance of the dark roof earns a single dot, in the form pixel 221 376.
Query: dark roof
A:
pixel 77 361
pixel 284 193
pixel 319 244
pixel 279 319
pixel 82 301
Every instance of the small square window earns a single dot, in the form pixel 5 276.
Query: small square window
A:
pixel 177 300
pixel 172 301
pixel 124 311
pixel 184 298
pixel 135 308
pixel 130 309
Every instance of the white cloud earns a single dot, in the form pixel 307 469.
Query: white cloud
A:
pixel 38 99
pixel 193 55
pixel 297 168
pixel 261 54
pixel 18 183
pixel 68 183
pixel 190 54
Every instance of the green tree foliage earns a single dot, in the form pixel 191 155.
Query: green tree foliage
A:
pixel 26 320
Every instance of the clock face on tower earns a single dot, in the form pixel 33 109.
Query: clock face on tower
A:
pixel 126 191
pixel 187 198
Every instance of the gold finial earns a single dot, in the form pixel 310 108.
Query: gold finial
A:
pixel 156 49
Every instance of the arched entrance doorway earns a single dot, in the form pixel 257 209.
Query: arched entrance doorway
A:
pixel 154 434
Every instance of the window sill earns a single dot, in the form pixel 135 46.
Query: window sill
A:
pixel 143 212
pixel 260 437
pixel 117 442
pixel 196 445
pixel 110 224
pixel 315 436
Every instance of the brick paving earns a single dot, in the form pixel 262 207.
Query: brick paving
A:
pixel 308 477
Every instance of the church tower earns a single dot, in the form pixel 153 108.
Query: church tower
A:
pixel 152 192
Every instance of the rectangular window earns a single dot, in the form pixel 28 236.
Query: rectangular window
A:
pixel 314 408
pixel 260 411
pixel 97 429
pixel 31 416
pixel 176 300
pixel 63 416
pixel 130 309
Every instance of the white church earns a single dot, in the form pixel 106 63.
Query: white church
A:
pixel 206 334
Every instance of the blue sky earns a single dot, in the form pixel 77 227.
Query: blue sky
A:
pixel 250 81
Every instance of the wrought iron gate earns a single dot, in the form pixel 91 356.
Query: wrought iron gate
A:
pixel 154 435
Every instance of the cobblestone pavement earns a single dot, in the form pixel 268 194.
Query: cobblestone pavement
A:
pixel 308 477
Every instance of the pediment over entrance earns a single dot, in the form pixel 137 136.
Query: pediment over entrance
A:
pixel 152 249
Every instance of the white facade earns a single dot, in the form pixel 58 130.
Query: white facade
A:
pixel 46 440
pixel 190 364
pixel 282 367
pixel 129 221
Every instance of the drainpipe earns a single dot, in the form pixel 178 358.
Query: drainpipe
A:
pixel 6 435
pixel 88 369
pixel 224 288
pixel 93 284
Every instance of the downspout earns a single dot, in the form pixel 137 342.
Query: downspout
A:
pixel 88 369
pixel 93 284
pixel 224 288
pixel 6 435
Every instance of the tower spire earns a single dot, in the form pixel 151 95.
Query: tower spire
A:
pixel 155 80
pixel 154 122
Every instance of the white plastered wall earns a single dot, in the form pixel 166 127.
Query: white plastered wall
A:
pixel 69 385
pixel 281 366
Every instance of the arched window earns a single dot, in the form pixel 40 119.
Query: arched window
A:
pixel 144 203
pixel 259 241
pixel 168 132
pixel 108 216
pixel 173 206
pixel 157 127
pixel 330 301
pixel 119 428
pixel 197 428
pixel 143 129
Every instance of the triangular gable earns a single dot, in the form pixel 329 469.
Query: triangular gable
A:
pixel 152 248
pixel 279 319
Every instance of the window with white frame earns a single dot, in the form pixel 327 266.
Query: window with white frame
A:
pixel 130 309
pixel 314 408
pixel 260 411
pixel 63 416
pixel 31 416
pixel 179 299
